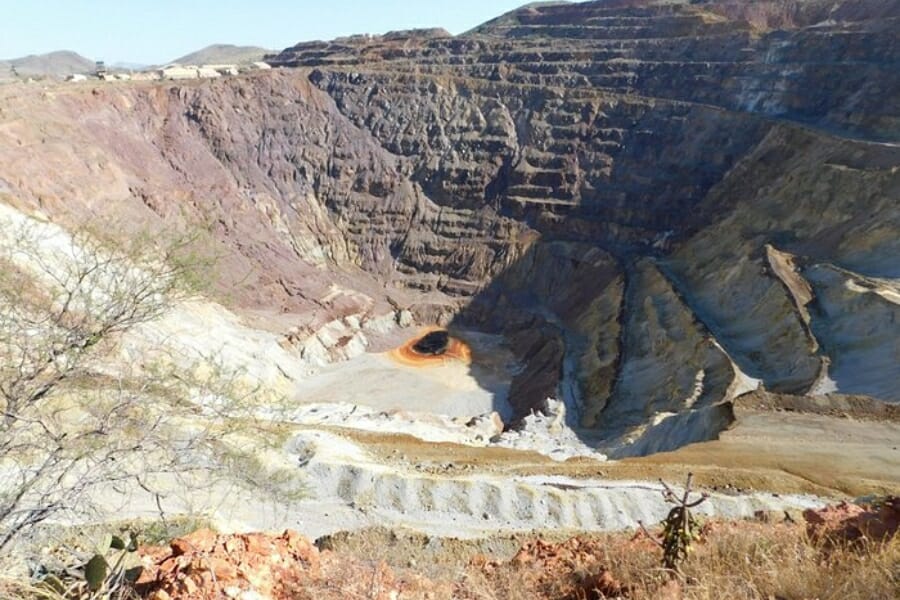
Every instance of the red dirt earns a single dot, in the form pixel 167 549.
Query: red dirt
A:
pixel 852 522
pixel 545 564
pixel 257 566
pixel 205 565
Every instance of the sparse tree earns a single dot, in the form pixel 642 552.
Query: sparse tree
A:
pixel 680 528
pixel 75 419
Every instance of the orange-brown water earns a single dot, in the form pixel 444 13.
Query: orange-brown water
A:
pixel 457 349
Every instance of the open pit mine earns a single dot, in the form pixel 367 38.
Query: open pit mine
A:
pixel 506 280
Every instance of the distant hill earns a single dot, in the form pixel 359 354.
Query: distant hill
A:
pixel 128 66
pixel 52 64
pixel 512 17
pixel 223 54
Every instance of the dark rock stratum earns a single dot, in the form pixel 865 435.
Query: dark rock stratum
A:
pixel 658 204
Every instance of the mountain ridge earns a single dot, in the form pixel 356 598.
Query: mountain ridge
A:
pixel 223 54
pixel 658 211
pixel 59 63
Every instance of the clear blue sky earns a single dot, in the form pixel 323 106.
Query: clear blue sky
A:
pixel 156 31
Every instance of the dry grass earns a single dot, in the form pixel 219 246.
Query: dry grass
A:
pixel 13 588
pixel 68 547
pixel 734 561
pixel 746 561
pixel 743 560
pixel 762 562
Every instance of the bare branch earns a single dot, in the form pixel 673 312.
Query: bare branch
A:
pixel 649 535
pixel 66 430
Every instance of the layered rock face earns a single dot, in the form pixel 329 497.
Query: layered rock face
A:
pixel 659 205
pixel 697 183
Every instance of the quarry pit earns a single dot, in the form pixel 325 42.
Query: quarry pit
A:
pixel 507 280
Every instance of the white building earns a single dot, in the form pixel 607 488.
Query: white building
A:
pixel 178 72
pixel 223 69
pixel 207 73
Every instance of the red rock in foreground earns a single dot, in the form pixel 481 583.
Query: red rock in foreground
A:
pixel 543 562
pixel 852 522
pixel 248 566
pixel 257 566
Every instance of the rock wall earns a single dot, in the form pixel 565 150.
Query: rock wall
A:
pixel 657 204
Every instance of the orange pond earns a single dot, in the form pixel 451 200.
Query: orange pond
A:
pixel 457 350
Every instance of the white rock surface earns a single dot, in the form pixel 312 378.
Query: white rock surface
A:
pixel 340 471
pixel 351 490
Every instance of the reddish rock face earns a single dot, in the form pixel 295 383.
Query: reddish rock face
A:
pixel 287 566
pixel 541 563
pixel 846 522
pixel 206 565
pixel 605 184
pixel 271 567
pixel 201 540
